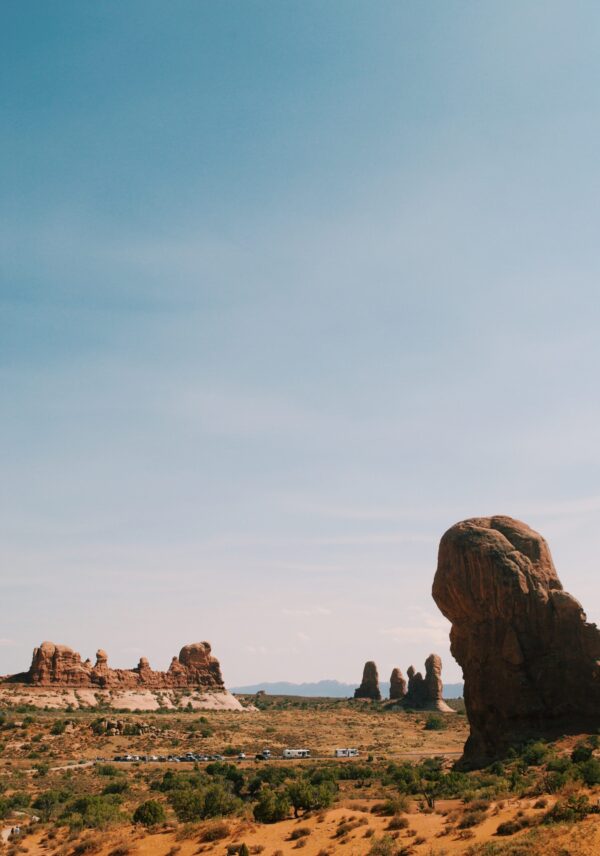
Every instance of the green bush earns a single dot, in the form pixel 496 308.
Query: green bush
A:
pixel 434 723
pixel 94 811
pixel 590 771
pixel 304 796
pixel 187 804
pixel 509 827
pixel 535 754
pixel 193 804
pixel 215 832
pixel 384 846
pixel 581 752
pixel 46 804
pixel 571 810
pixel 471 818
pixel 107 770
pixel 272 806
pixel 149 813
pixel 119 786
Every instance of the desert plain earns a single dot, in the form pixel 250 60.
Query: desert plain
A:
pixel 63 792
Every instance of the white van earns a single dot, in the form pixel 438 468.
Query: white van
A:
pixel 346 753
pixel 296 753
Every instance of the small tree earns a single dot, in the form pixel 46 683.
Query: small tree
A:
pixel 149 813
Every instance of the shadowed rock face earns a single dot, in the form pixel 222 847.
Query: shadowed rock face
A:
pixel 397 685
pixel 530 661
pixel 426 693
pixel 369 687
pixel 58 665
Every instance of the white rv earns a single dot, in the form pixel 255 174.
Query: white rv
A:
pixel 346 753
pixel 296 753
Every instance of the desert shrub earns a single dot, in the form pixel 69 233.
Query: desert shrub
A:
pixel 382 846
pixel 559 764
pixel 319 775
pixel 268 775
pixel 191 804
pixel 230 773
pixel 88 845
pixel 471 818
pixel 19 800
pixel 535 754
pixel 46 803
pixel 215 832
pixel 149 813
pixel 58 727
pixel 119 786
pixel 397 822
pixel 434 723
pixel 582 752
pixel 355 772
pixel 393 805
pixel 219 801
pixel 553 782
pixel 570 810
pixel 590 771
pixel 303 796
pixel 107 770
pixel 93 811
pixel 272 806
pixel 299 832
pixel 509 827
pixel 175 781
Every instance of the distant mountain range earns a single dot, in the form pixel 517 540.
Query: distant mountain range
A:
pixel 327 689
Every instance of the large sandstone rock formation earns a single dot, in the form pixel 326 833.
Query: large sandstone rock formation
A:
pixel 530 660
pixel 397 685
pixel 58 665
pixel 426 693
pixel 369 687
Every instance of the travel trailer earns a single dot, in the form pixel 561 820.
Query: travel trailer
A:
pixel 296 753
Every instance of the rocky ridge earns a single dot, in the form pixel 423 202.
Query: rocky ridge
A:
pixel 60 666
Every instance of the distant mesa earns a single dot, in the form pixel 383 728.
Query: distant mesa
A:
pixel 325 689
pixel 59 666
pixel 369 687
pixel 531 662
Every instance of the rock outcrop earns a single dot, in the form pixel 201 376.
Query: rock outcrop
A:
pixel 426 693
pixel 531 662
pixel 369 687
pixel 58 665
pixel 397 685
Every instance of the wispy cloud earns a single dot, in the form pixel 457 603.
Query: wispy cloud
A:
pixel 308 611
pixel 257 649
pixel 429 628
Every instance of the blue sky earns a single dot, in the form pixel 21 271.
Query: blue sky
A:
pixel 288 289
